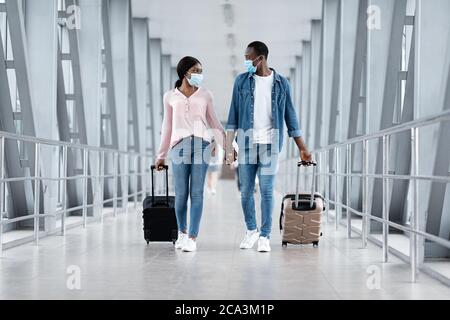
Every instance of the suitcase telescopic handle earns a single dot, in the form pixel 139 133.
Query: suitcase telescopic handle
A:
pixel 313 187
pixel 166 169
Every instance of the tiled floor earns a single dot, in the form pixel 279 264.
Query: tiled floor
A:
pixel 115 263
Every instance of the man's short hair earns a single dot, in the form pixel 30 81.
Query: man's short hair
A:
pixel 260 48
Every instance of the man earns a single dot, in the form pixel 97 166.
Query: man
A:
pixel 260 106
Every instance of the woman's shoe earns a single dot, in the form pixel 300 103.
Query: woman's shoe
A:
pixel 264 244
pixel 190 245
pixel 182 237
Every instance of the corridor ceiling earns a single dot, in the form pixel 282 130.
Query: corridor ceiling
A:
pixel 218 31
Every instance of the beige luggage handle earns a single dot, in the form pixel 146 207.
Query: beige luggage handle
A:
pixel 313 187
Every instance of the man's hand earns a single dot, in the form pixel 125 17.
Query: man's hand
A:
pixel 230 151
pixel 305 155
pixel 230 156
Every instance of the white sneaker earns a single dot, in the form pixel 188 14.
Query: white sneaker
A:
pixel 264 244
pixel 190 245
pixel 213 192
pixel 182 237
pixel 250 239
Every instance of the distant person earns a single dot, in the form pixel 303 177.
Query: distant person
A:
pixel 261 105
pixel 188 112
pixel 215 166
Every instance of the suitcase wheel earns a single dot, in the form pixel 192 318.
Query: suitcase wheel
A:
pixel 284 244
pixel 147 236
pixel 316 244
pixel 174 236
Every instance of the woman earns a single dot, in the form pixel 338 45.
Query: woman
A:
pixel 188 112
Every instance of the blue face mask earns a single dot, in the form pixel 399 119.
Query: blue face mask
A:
pixel 195 80
pixel 249 66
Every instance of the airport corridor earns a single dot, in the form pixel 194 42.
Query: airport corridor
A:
pixel 95 94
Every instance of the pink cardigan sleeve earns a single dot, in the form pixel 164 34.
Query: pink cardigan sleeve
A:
pixel 166 134
pixel 214 123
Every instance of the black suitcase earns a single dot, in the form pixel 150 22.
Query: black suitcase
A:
pixel 160 222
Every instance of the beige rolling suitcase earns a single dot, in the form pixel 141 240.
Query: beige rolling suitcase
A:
pixel 301 214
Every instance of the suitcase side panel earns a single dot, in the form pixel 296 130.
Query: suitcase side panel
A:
pixel 160 224
pixel 300 227
pixel 160 201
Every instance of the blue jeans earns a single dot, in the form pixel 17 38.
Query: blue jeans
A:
pixel 261 161
pixel 190 160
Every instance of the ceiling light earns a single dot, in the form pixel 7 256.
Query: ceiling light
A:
pixel 233 61
pixel 228 14
pixel 231 41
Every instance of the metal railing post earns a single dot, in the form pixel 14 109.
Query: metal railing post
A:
pixel 385 198
pixel 348 189
pixel 126 183
pixel 136 180
pixel 64 191
pixel 143 177
pixel 337 206
pixel 327 184
pixel 319 171
pixel 2 191
pixel 286 170
pixel 85 185
pixel 102 183
pixel 37 191
pixel 365 221
pixel 413 241
pixel 116 181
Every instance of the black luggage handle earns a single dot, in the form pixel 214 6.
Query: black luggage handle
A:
pixel 166 168
pixel 307 164
pixel 313 187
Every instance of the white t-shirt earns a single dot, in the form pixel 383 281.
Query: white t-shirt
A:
pixel 262 116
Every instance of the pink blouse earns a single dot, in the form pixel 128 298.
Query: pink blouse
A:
pixel 185 117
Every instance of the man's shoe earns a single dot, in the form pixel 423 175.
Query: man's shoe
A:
pixel 250 239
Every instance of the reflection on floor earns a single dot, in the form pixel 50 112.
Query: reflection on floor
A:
pixel 115 263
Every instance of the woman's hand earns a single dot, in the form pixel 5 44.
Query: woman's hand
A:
pixel 160 163
pixel 213 149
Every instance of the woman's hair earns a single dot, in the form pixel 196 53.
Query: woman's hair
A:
pixel 183 67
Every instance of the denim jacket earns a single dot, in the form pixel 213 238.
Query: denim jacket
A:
pixel 241 114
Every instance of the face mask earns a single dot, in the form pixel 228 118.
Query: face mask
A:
pixel 195 80
pixel 249 66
